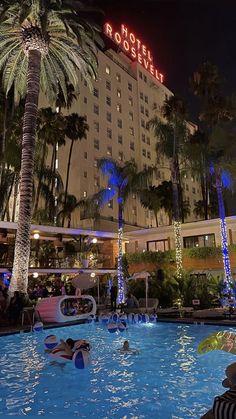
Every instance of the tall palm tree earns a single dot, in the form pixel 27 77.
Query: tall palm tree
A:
pixel 171 132
pixel 122 181
pixel 150 199
pixel 75 129
pixel 216 116
pixel 50 131
pixel 43 43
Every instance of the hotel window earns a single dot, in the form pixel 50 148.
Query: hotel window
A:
pixel 194 190
pixel 96 181
pixel 206 240
pixel 142 109
pixel 120 156
pixel 95 163
pixel 148 155
pixel 110 204
pixel 141 95
pixel 147 112
pixel 130 101
pixel 131 130
pixel 144 152
pixel 85 155
pixel 108 100
pixel 119 123
pixel 96 144
pixel 96 126
pixel 134 196
pixel 158 245
pixel 131 116
pixel 140 74
pixel 108 69
pixel 134 211
pixel 120 139
pixel 96 109
pixel 146 99
pixel 145 78
pixel 186 187
pixel 118 93
pixel 109 151
pixel 85 174
pixel 118 107
pixel 130 87
pixel 85 194
pixel 108 85
pixel 143 123
pixel 118 77
pixel 109 133
pixel 109 116
pixel 143 138
pixel 132 145
pixel 85 99
pixel 148 140
pixel 96 92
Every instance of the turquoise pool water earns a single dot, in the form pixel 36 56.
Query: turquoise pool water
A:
pixel 168 379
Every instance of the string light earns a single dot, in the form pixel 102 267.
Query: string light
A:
pixel 121 296
pixel 178 248
pixel 228 289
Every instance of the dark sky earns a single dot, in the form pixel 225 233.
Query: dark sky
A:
pixel 182 34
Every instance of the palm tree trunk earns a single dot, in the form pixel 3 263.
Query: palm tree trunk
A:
pixel 176 218
pixel 19 280
pixel 224 238
pixel 40 176
pixel 15 197
pixel 155 214
pixel 121 296
pixel 6 210
pixel 67 178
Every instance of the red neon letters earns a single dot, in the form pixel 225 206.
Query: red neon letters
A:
pixel 134 47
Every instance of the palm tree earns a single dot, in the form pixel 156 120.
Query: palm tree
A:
pixel 150 199
pixel 75 129
pixel 50 131
pixel 71 205
pixel 216 116
pixel 122 181
pixel 43 43
pixel 172 133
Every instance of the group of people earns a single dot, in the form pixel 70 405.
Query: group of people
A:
pixel 70 346
pixel 10 308
pixel 131 301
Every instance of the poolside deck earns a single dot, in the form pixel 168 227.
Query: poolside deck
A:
pixel 9 330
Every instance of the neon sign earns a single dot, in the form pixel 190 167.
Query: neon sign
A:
pixel 132 46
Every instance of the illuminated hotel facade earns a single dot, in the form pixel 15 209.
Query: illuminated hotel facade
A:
pixel 128 89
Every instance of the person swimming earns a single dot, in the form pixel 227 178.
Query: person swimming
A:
pixel 126 349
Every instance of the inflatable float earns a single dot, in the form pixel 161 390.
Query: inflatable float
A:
pixel 222 341
pixel 66 308
pixel 80 357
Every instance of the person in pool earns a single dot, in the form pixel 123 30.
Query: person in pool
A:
pixel 71 345
pixel 126 348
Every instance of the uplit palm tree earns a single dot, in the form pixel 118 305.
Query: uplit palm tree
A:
pixel 123 180
pixel 171 133
pixel 216 116
pixel 43 43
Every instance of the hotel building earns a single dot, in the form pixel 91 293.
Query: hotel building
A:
pixel 124 98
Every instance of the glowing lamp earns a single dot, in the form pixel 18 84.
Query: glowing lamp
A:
pixel 94 240
pixel 36 236
pixel 35 275
pixel 93 275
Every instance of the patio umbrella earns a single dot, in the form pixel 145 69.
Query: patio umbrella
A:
pixel 143 275
pixel 84 281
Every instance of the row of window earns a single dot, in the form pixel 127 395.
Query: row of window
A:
pixel 146 153
pixel 142 76
pixel 143 97
pixel 145 139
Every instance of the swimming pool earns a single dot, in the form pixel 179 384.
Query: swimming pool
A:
pixel 167 380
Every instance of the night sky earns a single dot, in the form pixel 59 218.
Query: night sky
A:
pixel 182 34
